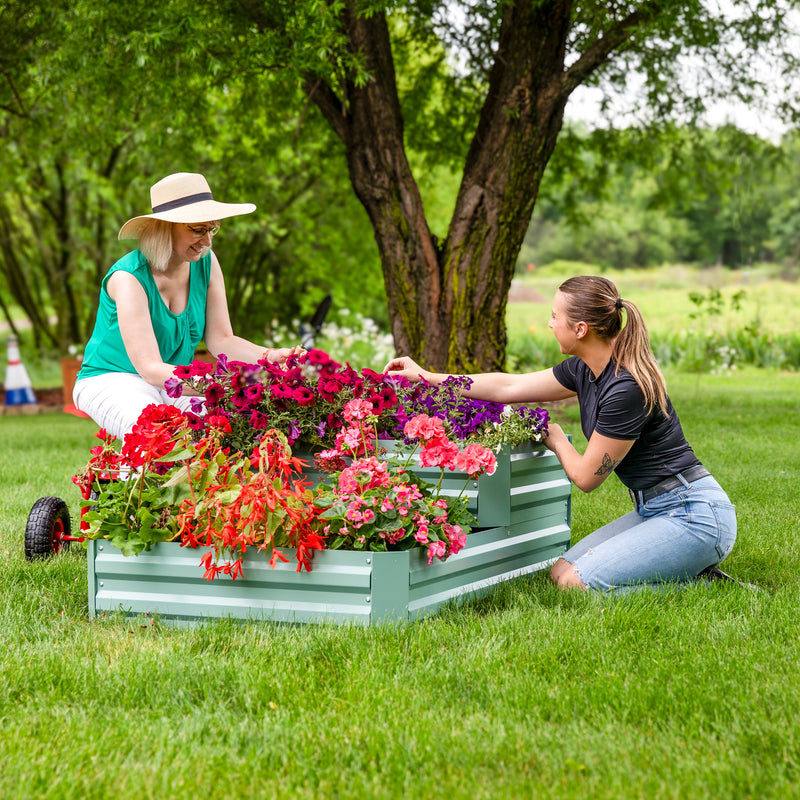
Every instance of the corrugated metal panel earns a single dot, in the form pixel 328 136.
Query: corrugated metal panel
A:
pixel 169 581
pixel 376 587
pixel 502 554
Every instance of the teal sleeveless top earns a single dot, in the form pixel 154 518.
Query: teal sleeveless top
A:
pixel 177 334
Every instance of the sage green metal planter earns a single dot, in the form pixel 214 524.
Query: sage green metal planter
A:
pixel 528 483
pixel 523 510
pixel 343 587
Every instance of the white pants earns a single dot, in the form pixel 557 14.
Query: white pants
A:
pixel 115 400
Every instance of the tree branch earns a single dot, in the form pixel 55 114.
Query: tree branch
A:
pixel 329 103
pixel 597 53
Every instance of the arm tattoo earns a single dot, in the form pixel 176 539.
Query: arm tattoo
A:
pixel 607 466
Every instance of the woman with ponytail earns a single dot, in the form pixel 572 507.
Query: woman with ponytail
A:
pixel 683 523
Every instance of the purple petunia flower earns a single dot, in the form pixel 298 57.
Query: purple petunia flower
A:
pixel 173 387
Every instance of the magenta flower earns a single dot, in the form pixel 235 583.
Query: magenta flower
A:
pixel 385 399
pixel 200 369
pixel 281 392
pixel 196 422
pixel 303 396
pixel 329 388
pixel 258 420
pixel 173 386
pixel 214 394
pixel 319 357
pixel 334 422
pixel 254 393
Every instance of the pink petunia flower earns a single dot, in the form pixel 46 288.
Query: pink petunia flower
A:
pixel 303 396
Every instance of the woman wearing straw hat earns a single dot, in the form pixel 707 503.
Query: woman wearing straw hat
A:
pixel 157 303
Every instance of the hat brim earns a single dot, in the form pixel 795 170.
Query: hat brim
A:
pixel 204 211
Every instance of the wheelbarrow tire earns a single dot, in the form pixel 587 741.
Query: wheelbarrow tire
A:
pixel 48 523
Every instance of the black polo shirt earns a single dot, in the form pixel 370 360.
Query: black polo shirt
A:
pixel 614 406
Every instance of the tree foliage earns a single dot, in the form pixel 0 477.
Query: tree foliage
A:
pixel 520 62
pixel 710 196
pixel 266 95
pixel 92 127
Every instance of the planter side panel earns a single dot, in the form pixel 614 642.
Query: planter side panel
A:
pixel 492 556
pixel 530 475
pixel 168 581
pixel 538 487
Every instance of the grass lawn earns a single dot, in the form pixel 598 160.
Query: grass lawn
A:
pixel 662 295
pixel 527 693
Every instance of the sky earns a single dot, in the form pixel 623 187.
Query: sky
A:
pixel 584 106
pixel 585 101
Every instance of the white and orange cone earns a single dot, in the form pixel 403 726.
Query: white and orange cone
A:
pixel 18 385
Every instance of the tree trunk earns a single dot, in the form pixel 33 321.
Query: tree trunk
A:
pixel 516 134
pixel 370 123
pixel 448 300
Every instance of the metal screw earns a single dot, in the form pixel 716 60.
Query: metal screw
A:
pixel 475 484
pixel 102 584
pixel 369 561
pixel 368 599
pixel 99 547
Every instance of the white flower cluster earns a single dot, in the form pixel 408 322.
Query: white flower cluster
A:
pixel 725 360
pixel 352 338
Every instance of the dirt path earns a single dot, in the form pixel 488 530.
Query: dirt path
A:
pixel 524 294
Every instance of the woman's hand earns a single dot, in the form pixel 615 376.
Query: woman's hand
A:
pixel 555 436
pixel 405 367
pixel 280 355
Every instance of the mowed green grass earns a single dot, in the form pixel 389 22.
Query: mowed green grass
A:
pixel 527 693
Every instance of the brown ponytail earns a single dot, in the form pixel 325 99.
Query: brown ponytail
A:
pixel 596 301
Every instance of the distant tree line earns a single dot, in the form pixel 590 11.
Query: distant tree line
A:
pixel 715 196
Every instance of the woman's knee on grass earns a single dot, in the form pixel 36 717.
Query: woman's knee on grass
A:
pixel 565 576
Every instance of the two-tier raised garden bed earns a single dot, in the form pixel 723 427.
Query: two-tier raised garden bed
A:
pixel 523 512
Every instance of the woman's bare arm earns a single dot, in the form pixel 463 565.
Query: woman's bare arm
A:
pixel 502 387
pixel 588 470
pixel 136 328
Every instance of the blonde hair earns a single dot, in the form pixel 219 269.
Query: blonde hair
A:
pixel 596 301
pixel 155 242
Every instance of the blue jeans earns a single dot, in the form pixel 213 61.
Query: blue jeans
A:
pixel 669 539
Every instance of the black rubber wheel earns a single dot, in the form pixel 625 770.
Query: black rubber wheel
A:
pixel 48 523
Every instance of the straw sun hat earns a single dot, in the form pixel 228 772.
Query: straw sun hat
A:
pixel 184 197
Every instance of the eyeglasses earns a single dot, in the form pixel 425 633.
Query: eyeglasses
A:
pixel 199 231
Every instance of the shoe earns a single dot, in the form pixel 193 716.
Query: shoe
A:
pixel 714 573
